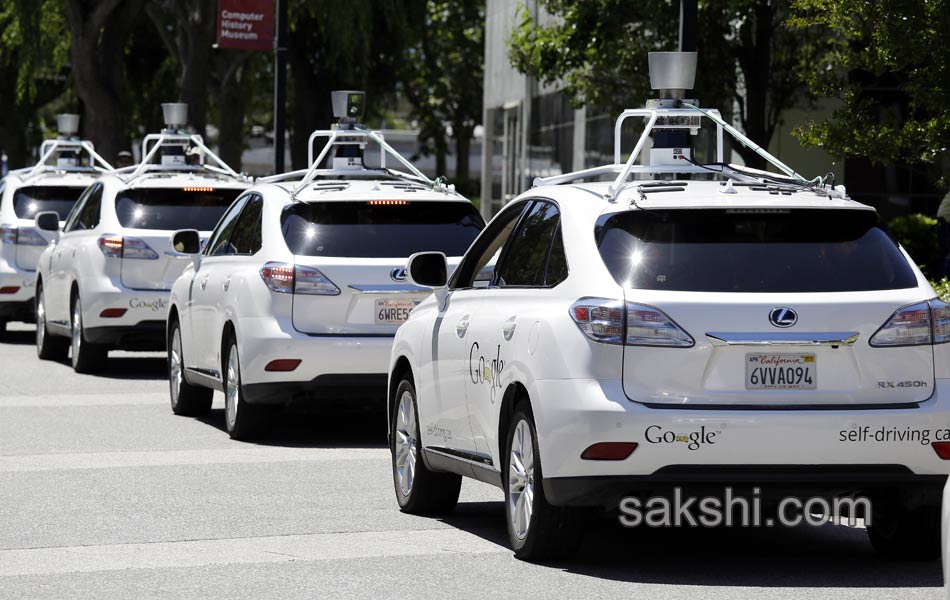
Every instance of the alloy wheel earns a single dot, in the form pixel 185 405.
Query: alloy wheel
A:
pixel 232 388
pixel 406 443
pixel 174 366
pixel 521 479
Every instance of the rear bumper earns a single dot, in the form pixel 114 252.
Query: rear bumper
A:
pixel 143 336
pixel 17 306
pixel 337 390
pixel 681 445
pixel 331 366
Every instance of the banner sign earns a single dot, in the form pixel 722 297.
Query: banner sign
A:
pixel 246 24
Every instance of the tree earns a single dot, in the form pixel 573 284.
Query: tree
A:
pixel 890 65
pixel 443 81
pixel 99 30
pixel 339 44
pixel 748 57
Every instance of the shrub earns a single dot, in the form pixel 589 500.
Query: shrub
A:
pixel 918 235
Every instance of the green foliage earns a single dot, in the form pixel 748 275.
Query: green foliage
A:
pixel 889 62
pixel 942 287
pixel 599 48
pixel 918 235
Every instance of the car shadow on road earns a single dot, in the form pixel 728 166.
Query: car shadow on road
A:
pixel 18 337
pixel 292 428
pixel 829 556
pixel 135 367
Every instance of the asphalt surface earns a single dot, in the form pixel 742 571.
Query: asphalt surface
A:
pixel 105 494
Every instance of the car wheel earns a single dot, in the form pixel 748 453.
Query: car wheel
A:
pixel 419 491
pixel 904 533
pixel 48 347
pixel 536 530
pixel 186 399
pixel 87 357
pixel 242 420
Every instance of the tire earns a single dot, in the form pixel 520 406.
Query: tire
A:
pixel 419 491
pixel 536 530
pixel 186 399
pixel 48 346
pixel 242 420
pixel 901 533
pixel 86 357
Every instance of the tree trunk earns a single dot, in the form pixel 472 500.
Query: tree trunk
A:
pixel 196 36
pixel 755 59
pixel 463 144
pixel 99 38
pixel 232 103
pixel 311 109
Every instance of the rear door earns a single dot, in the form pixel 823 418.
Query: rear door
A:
pixel 82 220
pixel 781 305
pixel 30 201
pixel 149 216
pixel 361 247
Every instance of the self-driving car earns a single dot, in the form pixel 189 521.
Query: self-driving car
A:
pixel 66 167
pixel 301 287
pixel 105 282
pixel 686 322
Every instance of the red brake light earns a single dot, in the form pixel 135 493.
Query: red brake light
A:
pixel 942 449
pixel 198 189
pixel 111 245
pixel 10 289
pixel 283 364
pixel 113 313
pixel 388 202
pixel 609 451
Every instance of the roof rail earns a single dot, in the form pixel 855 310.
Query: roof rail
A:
pixel 684 113
pixel 350 136
pixel 50 147
pixel 154 142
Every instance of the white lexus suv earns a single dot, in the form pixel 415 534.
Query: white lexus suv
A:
pixel 105 283
pixel 66 167
pixel 686 323
pixel 300 290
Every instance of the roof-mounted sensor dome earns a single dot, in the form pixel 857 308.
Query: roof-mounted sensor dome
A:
pixel 672 73
pixel 176 115
pixel 67 125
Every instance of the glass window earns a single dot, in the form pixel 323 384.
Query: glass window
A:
pixel 30 201
pixel 526 256
pixel 557 261
pixel 86 215
pixel 365 229
pixel 220 242
pixel 767 251
pixel 246 237
pixel 171 209
pixel 478 267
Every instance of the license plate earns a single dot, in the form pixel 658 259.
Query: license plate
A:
pixel 393 311
pixel 781 372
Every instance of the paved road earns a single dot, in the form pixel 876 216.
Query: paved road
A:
pixel 104 493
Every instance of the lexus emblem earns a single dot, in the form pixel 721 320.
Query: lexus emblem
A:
pixel 783 317
pixel 398 274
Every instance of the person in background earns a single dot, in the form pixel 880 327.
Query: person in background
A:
pixel 193 156
pixel 943 234
pixel 124 159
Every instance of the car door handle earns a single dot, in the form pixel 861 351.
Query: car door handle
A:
pixel 508 329
pixel 462 326
pixel 204 283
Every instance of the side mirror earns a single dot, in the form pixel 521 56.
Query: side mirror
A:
pixel 47 221
pixel 186 242
pixel 428 269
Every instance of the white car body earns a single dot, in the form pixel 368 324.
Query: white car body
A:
pixel 24 194
pixel 686 415
pixel 115 254
pixel 338 342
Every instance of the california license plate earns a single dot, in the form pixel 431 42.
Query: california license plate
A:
pixel 781 372
pixel 390 311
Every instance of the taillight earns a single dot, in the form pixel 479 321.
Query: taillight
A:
pixel 915 325
pixel 614 322
pixel 117 246
pixel 284 278
pixel 21 236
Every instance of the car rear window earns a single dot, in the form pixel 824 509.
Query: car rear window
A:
pixel 30 201
pixel 771 250
pixel 367 229
pixel 172 209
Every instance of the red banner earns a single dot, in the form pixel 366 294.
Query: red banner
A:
pixel 246 24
